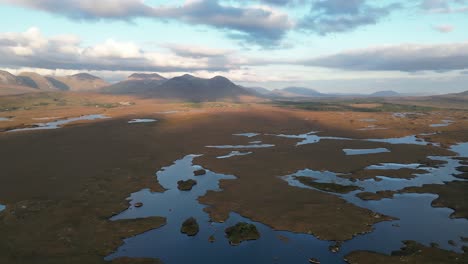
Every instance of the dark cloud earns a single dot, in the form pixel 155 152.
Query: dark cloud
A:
pixel 333 16
pixel 405 58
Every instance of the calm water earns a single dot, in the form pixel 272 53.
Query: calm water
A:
pixel 352 152
pixel 233 154
pixel 416 218
pixel 59 123
pixel 142 120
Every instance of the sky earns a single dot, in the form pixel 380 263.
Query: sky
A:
pixel 339 46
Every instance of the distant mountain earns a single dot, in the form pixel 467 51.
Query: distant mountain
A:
pixel 188 87
pixel 27 82
pixel 137 83
pixel 258 90
pixel 79 82
pixel 385 94
pixel 296 92
pixel 11 84
pixel 40 82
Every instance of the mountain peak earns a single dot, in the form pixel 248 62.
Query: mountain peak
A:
pixel 146 76
pixel 85 76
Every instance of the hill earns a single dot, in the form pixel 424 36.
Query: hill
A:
pixel 296 92
pixel 259 91
pixel 78 82
pixel 190 88
pixel 385 94
pixel 11 84
pixel 40 82
pixel 137 83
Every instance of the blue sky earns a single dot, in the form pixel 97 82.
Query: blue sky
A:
pixel 327 45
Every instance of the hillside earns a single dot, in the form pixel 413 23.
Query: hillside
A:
pixel 79 82
pixel 188 87
pixel 40 82
pixel 137 83
pixel 296 92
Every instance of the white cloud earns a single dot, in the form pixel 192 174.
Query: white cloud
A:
pixel 33 49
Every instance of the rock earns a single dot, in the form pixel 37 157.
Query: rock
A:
pixel 138 205
pixel 335 248
pixel 314 261
pixel 211 239
pixel 186 185
pixel 190 227
pixel 199 172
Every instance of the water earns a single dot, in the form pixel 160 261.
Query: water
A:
pixel 368 120
pixel 167 242
pixel 310 138
pixel 59 123
pixel 439 175
pixel 352 152
pixel 415 218
pixel 2 207
pixel 394 166
pixel 443 124
pixel 461 149
pixel 233 154
pixel 142 120
pixel 249 135
pixel 412 139
pixel 414 212
pixel 242 146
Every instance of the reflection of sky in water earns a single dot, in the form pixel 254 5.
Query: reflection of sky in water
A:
pixel 233 154
pixel 59 123
pixel 415 213
pixel 352 152
pixel 142 120
pixel 443 124
pixel 249 135
pixel 417 219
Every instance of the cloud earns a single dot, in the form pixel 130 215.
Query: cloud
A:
pixel 332 16
pixel 32 49
pixel 262 25
pixel 197 51
pixel 405 58
pixel 444 6
pixel 443 28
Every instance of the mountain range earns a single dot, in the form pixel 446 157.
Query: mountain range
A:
pixel 185 87
pixel 34 82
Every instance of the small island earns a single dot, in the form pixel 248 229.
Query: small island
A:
pixel 186 185
pixel 199 172
pixel 190 227
pixel 241 232
pixel 327 187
